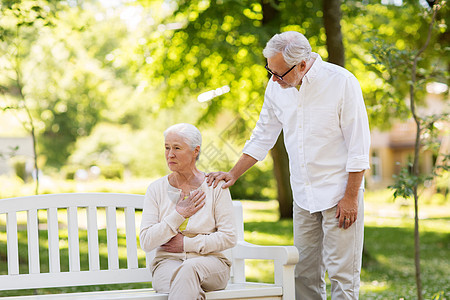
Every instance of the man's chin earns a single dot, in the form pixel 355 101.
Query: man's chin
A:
pixel 284 85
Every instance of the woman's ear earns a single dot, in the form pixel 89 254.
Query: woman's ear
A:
pixel 197 151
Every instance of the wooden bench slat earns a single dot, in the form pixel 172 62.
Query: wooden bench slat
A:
pixel 234 291
pixel 238 270
pixel 92 228
pixel 111 231
pixel 149 256
pixel 70 199
pixel 33 242
pixel 248 290
pixel 73 239
pixel 63 279
pixel 12 243
pixel 142 294
pixel 130 223
pixel 53 240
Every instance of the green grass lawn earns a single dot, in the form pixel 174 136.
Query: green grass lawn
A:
pixel 387 274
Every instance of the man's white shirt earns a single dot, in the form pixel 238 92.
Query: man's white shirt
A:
pixel 326 133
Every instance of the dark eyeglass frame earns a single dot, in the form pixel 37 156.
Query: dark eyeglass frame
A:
pixel 276 75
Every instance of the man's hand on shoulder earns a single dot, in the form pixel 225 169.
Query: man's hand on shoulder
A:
pixel 244 163
pixel 216 177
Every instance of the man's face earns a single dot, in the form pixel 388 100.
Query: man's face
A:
pixel 278 66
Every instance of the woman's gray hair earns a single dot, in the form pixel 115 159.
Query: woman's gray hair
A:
pixel 293 45
pixel 189 133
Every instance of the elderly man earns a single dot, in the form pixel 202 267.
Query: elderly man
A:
pixel 321 110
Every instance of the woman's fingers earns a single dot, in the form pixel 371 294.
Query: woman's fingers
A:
pixel 195 194
pixel 199 206
pixel 188 206
pixel 200 200
pixel 198 195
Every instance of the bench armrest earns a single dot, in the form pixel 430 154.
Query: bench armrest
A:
pixel 284 260
pixel 285 255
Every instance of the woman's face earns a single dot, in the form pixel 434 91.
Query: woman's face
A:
pixel 179 155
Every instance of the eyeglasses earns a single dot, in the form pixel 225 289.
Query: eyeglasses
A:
pixel 280 77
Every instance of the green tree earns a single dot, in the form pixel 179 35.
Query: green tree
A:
pixel 57 64
pixel 20 22
pixel 416 65
pixel 219 43
pixel 370 24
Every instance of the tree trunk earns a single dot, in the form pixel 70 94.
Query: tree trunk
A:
pixel 278 152
pixel 31 128
pixel 281 171
pixel 417 144
pixel 416 173
pixel 332 24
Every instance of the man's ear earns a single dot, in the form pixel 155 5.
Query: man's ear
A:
pixel 303 65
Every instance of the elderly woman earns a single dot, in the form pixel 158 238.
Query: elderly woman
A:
pixel 188 222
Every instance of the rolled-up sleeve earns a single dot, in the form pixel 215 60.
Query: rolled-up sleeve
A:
pixel 355 127
pixel 265 134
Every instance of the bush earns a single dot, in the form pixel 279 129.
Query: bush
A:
pixel 255 184
pixel 443 183
pixel 13 186
pixel 20 169
pixel 69 171
pixel 438 199
pixel 112 171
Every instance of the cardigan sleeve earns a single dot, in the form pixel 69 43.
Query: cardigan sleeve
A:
pixel 225 235
pixel 154 233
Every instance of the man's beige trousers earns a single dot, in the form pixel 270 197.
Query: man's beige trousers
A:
pixel 323 246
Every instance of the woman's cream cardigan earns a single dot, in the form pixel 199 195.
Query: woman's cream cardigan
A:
pixel 208 232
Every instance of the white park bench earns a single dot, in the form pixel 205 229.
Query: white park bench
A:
pixel 119 210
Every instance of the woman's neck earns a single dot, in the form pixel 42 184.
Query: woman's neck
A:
pixel 187 181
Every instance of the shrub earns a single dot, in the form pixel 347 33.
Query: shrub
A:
pixel 20 169
pixel 255 184
pixel 112 171
pixel 69 171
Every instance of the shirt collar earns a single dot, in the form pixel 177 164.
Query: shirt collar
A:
pixel 314 70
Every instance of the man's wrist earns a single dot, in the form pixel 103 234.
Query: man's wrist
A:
pixel 232 174
pixel 351 199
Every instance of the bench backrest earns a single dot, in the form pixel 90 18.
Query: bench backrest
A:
pixel 62 209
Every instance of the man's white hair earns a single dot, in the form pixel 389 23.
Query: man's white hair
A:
pixel 190 134
pixel 293 45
